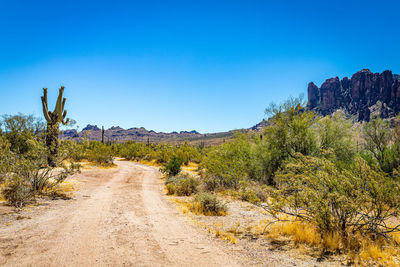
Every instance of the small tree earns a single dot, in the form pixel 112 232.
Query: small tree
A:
pixel 357 199
pixel 227 164
pixel 288 132
pixel 382 143
pixel 377 135
pixel 336 133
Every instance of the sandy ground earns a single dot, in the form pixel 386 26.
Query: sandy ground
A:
pixel 118 217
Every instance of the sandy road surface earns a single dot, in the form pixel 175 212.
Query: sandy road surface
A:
pixel 119 217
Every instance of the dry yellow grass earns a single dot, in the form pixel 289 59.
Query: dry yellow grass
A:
pixel 225 236
pixel 396 237
pixel 1 195
pixel 191 168
pixel 377 253
pixel 66 188
pixel 152 163
pixel 195 207
pixel 300 232
pixel 367 253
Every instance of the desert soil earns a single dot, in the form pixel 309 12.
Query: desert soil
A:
pixel 118 217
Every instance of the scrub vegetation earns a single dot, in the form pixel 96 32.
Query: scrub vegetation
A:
pixel 24 169
pixel 328 183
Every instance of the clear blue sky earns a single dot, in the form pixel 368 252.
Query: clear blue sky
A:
pixel 182 65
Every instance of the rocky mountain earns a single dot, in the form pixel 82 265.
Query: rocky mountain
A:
pixel 259 126
pixel 118 134
pixel 364 93
pixel 91 128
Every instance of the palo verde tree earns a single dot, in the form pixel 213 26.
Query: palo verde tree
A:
pixel 54 118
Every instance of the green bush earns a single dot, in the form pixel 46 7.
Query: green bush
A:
pixel 382 144
pixel 19 129
pixel 210 182
pixel 182 185
pixel 250 196
pixel 134 151
pixel 23 161
pixel 188 153
pixel 335 133
pixel 209 204
pixel 100 154
pixel 171 189
pixel 227 164
pixel 173 167
pixel 357 199
pixel 73 150
pixel 289 131
pixel 17 192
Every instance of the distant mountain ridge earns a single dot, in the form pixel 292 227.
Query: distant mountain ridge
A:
pixel 118 134
pixel 361 95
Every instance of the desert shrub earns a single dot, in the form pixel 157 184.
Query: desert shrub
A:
pixel 188 153
pixel 382 144
pixel 253 192
pixel 19 129
pixel 335 133
pixel 209 204
pixel 173 167
pixel 33 171
pixel 23 166
pixel 210 182
pixel 261 192
pixel 171 189
pixel 17 191
pixel 5 158
pixel 357 199
pixel 100 154
pixel 73 150
pixel 133 151
pixel 250 196
pixel 182 185
pixel 27 177
pixel 227 164
pixel 288 132
pixel 162 153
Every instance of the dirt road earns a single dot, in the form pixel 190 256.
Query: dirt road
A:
pixel 119 217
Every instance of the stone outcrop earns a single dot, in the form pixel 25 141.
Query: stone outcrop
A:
pixel 357 95
pixel 91 128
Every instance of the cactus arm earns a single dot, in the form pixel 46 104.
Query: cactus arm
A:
pixel 45 111
pixel 63 121
pixel 57 109
pixel 45 95
pixel 63 103
pixel 45 107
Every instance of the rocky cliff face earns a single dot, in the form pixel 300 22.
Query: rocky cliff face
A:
pixel 359 95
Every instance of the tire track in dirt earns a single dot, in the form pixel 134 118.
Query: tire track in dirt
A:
pixel 119 217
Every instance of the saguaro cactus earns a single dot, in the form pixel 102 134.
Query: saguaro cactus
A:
pixel 54 118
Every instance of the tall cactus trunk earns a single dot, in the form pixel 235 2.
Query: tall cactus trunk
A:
pixel 52 144
pixel 102 134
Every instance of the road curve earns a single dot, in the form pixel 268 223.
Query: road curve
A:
pixel 119 217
